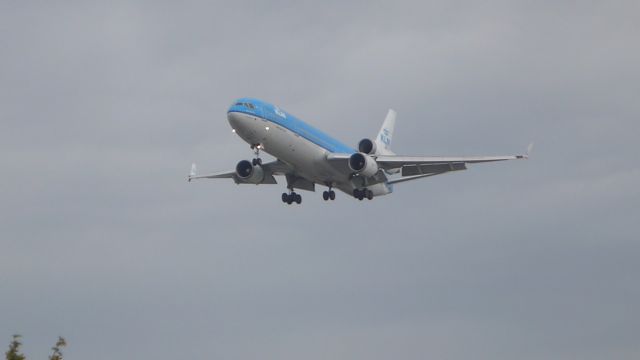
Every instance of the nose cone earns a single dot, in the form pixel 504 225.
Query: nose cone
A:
pixel 235 119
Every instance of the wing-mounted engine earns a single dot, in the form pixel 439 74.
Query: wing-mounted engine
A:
pixel 367 146
pixel 363 164
pixel 249 173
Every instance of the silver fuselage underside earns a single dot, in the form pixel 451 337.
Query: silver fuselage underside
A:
pixel 307 159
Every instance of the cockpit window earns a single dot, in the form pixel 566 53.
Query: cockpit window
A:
pixel 247 105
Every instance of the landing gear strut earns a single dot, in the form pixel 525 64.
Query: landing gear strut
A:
pixel 291 198
pixel 361 194
pixel 256 149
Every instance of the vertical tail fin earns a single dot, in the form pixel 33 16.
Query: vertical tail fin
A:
pixel 383 140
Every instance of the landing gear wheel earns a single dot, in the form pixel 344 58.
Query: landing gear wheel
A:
pixel 291 198
pixel 361 194
pixel 325 195
pixel 332 195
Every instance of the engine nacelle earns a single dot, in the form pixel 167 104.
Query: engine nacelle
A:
pixel 363 164
pixel 249 173
pixel 367 146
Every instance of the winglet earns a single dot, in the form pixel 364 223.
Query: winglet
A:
pixel 529 150
pixel 192 173
pixel 526 155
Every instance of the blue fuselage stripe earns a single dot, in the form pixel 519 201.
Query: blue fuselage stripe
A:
pixel 271 113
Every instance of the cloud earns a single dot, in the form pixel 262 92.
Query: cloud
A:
pixel 104 107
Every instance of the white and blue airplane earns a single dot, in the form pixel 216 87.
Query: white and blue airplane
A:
pixel 306 156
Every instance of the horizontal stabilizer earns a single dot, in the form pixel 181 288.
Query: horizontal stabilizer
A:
pixel 409 178
pixel 421 169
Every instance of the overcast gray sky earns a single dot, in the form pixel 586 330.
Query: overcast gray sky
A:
pixel 103 107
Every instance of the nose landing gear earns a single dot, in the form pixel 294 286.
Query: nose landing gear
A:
pixel 256 150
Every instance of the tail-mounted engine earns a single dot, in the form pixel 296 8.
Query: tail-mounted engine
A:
pixel 249 173
pixel 367 146
pixel 363 164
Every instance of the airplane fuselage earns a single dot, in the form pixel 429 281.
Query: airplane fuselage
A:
pixel 307 157
pixel 296 143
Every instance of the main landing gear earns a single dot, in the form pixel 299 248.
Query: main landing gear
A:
pixel 291 198
pixel 361 194
pixel 329 195
pixel 256 149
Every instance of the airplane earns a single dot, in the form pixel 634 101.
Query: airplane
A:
pixel 307 157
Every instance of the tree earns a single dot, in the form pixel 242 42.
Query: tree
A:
pixel 57 353
pixel 14 349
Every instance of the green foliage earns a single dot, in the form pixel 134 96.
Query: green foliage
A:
pixel 57 353
pixel 14 349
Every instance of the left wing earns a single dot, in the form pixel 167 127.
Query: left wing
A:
pixel 423 165
pixel 420 165
pixel 413 167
